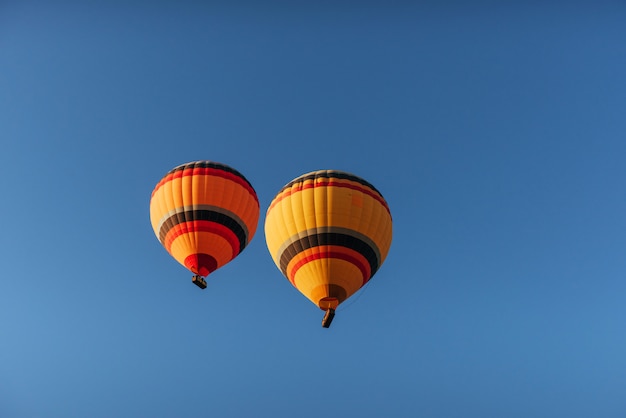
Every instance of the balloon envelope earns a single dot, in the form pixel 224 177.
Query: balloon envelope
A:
pixel 328 232
pixel 204 213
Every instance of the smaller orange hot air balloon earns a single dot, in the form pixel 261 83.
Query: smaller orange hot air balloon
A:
pixel 204 213
pixel 328 232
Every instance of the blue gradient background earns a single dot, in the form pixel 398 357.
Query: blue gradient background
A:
pixel 496 132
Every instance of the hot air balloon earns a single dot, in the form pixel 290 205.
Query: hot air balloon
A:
pixel 204 213
pixel 328 232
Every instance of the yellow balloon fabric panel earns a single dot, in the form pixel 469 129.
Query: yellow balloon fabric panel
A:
pixel 204 213
pixel 328 232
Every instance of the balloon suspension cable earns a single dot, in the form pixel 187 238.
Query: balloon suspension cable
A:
pixel 328 318
pixel 198 281
pixel 353 300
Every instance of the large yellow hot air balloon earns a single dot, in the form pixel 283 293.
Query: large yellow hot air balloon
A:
pixel 204 213
pixel 328 232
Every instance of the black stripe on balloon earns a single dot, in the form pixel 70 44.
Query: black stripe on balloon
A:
pixel 204 215
pixel 329 238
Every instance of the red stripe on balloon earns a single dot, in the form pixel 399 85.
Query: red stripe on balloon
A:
pixel 329 254
pixel 202 226
pixel 206 171
pixel 328 183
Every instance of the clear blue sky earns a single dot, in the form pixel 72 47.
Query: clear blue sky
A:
pixel 497 133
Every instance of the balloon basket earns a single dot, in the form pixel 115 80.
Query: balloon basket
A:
pixel 199 281
pixel 328 318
